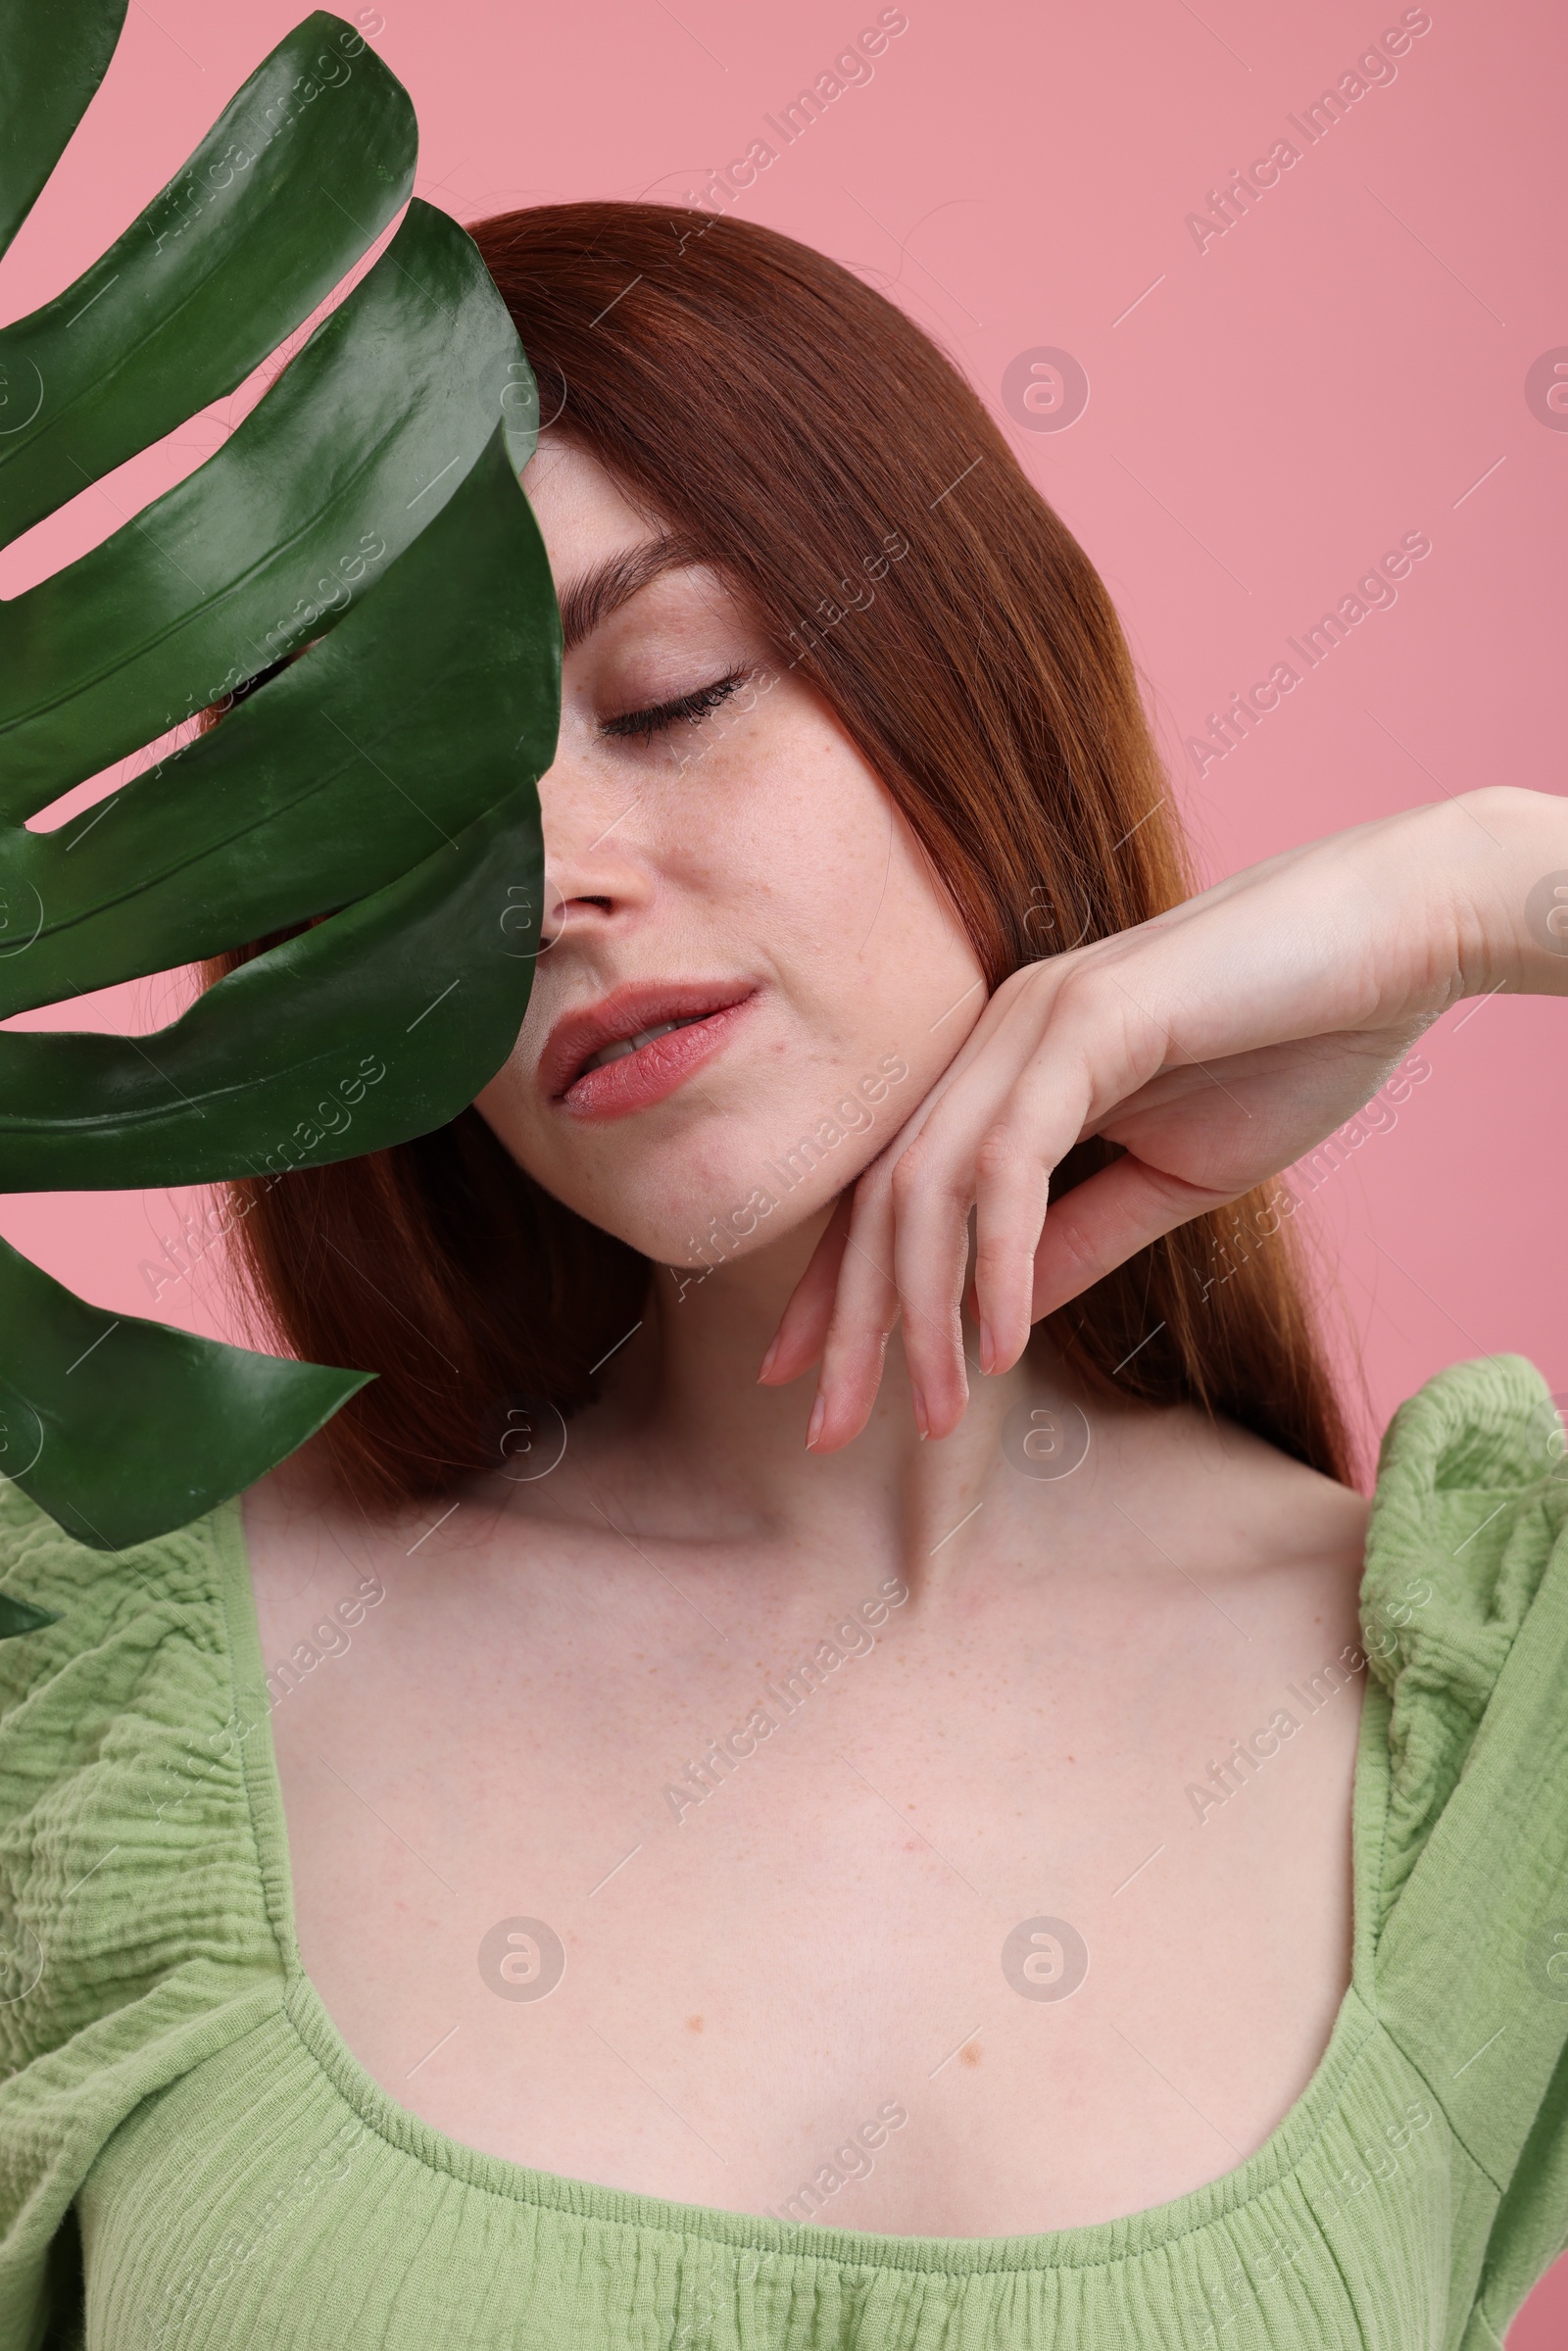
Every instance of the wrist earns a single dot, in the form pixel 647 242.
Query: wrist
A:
pixel 1511 851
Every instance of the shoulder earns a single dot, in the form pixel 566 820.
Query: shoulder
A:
pixel 114 1613
pixel 127 1866
pixel 100 1597
pixel 1471 1500
pixel 1465 1615
pixel 303 1534
pixel 107 1713
pixel 1263 1523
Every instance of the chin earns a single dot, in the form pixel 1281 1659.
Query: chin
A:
pixel 710 1206
pixel 702 1225
pixel 731 1185
pixel 791 1172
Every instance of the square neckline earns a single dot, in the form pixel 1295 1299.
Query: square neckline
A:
pixel 1090 2244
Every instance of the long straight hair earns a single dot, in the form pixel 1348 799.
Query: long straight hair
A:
pixel 807 439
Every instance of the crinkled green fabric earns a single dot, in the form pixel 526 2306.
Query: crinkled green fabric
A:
pixel 190 2156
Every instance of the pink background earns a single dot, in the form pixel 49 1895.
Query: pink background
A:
pixel 1265 416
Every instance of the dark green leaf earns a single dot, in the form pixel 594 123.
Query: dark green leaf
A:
pixel 428 977
pixel 368 511
pixel 329 780
pixel 268 543
pixel 57 52
pixel 87 1438
pixel 20 1616
pixel 217 270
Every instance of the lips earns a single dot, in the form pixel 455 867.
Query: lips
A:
pixel 632 1045
pixel 616 1050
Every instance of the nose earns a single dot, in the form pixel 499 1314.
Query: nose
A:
pixel 596 877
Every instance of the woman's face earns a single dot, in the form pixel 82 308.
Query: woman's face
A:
pixel 718 854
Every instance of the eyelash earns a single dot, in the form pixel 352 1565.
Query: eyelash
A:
pixel 694 706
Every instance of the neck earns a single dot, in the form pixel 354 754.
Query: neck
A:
pixel 711 1455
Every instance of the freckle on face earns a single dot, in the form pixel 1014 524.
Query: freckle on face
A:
pixel 777 861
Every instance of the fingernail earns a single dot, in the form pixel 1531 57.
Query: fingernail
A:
pixel 814 1427
pixel 920 1420
pixel 988 1353
pixel 767 1360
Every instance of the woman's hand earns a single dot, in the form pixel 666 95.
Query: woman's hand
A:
pixel 1217 1044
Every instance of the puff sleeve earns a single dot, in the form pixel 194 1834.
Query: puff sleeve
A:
pixel 132 1936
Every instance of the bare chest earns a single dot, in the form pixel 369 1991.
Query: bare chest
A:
pixel 974 1923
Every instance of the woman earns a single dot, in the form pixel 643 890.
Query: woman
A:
pixel 622 1841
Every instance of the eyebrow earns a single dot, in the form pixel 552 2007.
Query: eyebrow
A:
pixel 589 601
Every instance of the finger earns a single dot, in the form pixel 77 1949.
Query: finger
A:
pixel 1098 1049
pixel 802 1325
pixel 1011 1182
pixel 849 1326
pixel 1070 1054
pixel 1045 1116
pixel 921 1285
pixel 1105 1220
pixel 865 1313
pixel 933 1188
pixel 935 1182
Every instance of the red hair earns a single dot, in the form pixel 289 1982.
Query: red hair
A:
pixel 785 419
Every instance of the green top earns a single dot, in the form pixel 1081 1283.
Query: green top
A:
pixel 189 2155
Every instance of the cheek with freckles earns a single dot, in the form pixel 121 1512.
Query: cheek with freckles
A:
pixel 787 866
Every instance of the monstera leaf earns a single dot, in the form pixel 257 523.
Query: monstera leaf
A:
pixel 366 510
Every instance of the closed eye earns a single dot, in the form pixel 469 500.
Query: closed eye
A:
pixel 686 706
